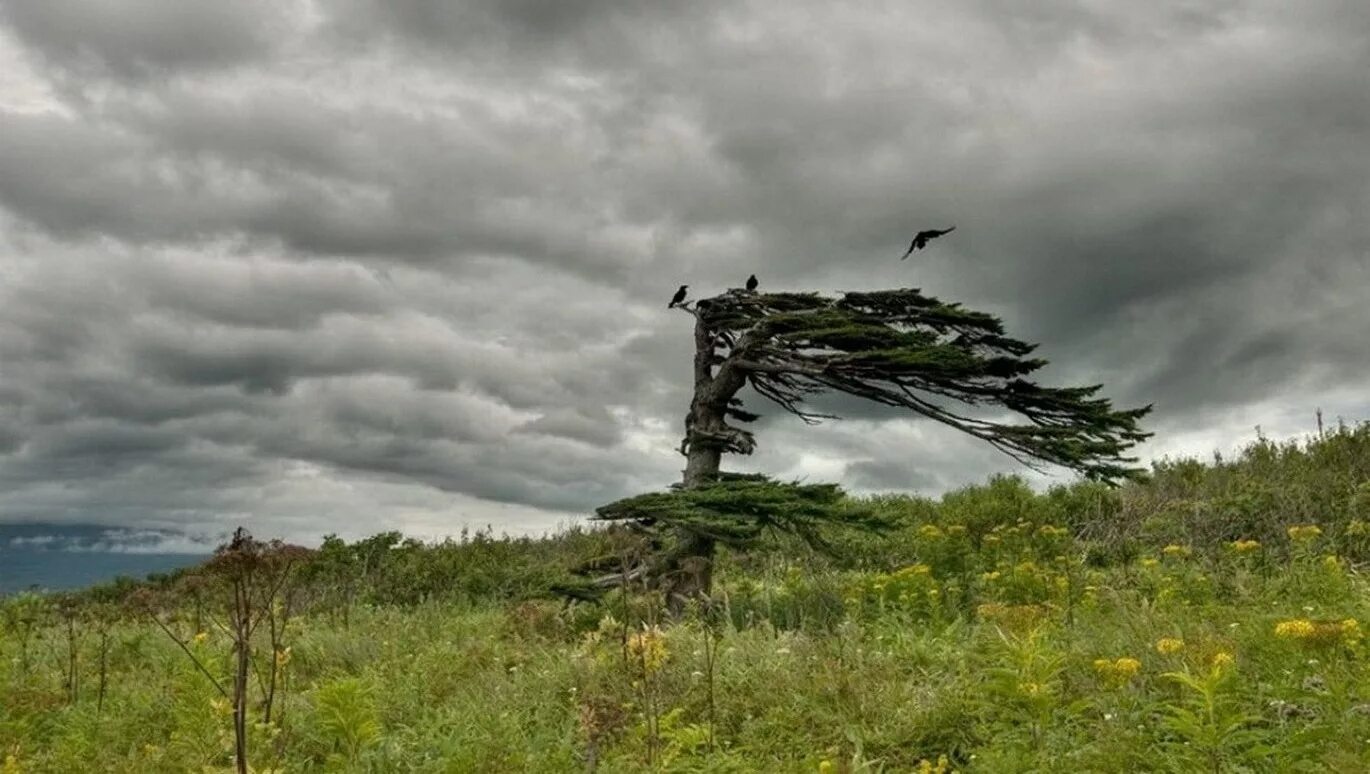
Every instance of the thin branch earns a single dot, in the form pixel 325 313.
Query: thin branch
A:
pixel 194 659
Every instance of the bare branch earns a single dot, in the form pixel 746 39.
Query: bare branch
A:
pixel 185 649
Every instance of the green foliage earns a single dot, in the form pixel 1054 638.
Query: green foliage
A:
pixel 21 616
pixel 738 509
pixel 1210 726
pixel 346 719
pixel 1256 495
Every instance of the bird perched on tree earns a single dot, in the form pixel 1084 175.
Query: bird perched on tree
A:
pixel 751 284
pixel 678 297
pixel 920 240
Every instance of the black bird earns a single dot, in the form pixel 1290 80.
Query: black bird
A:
pixel 920 240
pixel 678 297
pixel 751 284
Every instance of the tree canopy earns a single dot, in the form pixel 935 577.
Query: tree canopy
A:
pixel 904 349
pixel 737 508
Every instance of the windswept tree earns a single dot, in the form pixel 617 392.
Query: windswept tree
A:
pixel 900 348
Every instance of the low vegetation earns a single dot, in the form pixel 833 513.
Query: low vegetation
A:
pixel 1210 618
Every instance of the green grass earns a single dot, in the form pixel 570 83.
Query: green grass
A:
pixel 996 630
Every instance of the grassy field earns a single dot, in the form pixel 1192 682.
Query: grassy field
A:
pixel 1209 619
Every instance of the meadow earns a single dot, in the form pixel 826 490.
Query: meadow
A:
pixel 1208 619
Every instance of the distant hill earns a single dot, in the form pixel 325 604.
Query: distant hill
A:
pixel 67 556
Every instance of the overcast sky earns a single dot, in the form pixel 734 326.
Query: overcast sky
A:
pixel 351 265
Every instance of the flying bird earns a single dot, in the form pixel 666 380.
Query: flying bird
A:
pixel 678 297
pixel 751 284
pixel 920 240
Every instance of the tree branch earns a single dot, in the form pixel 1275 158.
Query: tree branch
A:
pixel 899 348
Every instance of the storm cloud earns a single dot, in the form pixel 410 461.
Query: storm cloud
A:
pixel 345 265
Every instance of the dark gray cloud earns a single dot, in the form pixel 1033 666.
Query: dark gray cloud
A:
pixel 353 264
pixel 522 35
pixel 142 38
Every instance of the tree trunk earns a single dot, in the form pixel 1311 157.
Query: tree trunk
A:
pixel 689 571
pixel 690 574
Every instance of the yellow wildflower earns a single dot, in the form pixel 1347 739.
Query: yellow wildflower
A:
pixel 1356 528
pixel 956 529
pixel 200 637
pixel 1031 689
pixel 942 766
pixel 1351 631
pixel 1320 633
pixel 1222 659
pixel 1296 629
pixel 1149 561
pixel 990 576
pixel 1119 670
pixel 648 648
pixel 1302 532
pixel 1332 563
pixel 1245 546
pixel 1175 550
pixel 1168 645
pixel 826 767
pixel 930 531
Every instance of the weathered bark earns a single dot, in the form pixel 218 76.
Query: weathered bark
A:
pixel 689 572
